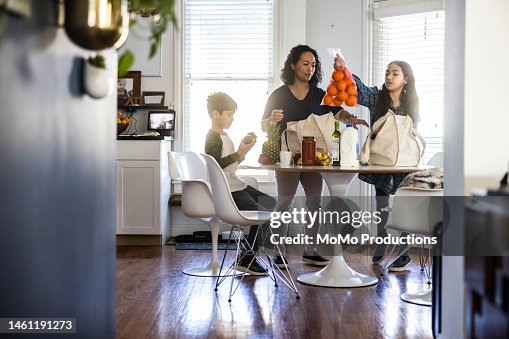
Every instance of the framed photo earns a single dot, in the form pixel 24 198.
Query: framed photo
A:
pixel 152 98
pixel 129 88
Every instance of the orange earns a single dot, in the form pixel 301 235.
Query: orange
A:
pixel 337 75
pixel 332 90
pixel 347 73
pixel 351 90
pixel 351 100
pixel 342 96
pixel 341 85
pixel 328 100
pixel 338 101
pixel 349 81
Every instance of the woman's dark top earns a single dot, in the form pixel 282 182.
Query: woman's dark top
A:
pixel 295 109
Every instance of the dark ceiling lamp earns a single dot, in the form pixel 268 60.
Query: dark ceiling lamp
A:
pixel 97 24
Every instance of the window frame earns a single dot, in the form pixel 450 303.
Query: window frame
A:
pixel 179 54
pixel 368 22
pixel 386 8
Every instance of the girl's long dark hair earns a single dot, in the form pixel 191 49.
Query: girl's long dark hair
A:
pixel 288 74
pixel 408 98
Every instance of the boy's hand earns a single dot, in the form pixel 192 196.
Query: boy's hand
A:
pixel 244 148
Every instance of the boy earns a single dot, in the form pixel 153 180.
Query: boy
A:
pixel 221 108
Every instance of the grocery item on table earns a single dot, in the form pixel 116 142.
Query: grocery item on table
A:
pixel 342 89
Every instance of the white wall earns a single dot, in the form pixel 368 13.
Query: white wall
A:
pixel 292 27
pixel 476 141
pixel 338 24
pixel 486 74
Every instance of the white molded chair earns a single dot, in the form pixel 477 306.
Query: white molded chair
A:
pixel 191 170
pixel 437 160
pixel 227 211
pixel 417 211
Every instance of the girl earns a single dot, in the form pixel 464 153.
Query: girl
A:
pixel 398 94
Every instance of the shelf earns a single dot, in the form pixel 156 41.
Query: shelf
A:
pixel 145 107
pixel 143 137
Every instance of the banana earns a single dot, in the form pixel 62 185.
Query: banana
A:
pixel 323 158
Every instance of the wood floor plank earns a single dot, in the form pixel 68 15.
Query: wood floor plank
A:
pixel 156 300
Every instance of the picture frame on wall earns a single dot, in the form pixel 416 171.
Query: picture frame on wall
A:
pixel 129 88
pixel 152 98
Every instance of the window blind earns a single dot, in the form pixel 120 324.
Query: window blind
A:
pixel 417 38
pixel 228 47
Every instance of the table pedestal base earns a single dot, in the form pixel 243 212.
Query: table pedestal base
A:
pixel 337 274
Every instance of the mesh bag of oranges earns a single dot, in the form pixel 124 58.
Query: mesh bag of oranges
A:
pixel 341 89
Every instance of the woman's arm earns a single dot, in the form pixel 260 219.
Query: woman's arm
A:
pixel 272 112
pixel 348 118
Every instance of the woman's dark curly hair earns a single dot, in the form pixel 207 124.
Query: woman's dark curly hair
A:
pixel 408 98
pixel 288 74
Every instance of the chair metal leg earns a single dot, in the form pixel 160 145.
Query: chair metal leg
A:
pixel 236 264
pixel 233 267
pixel 286 278
pixel 274 271
pixel 386 261
pixel 220 277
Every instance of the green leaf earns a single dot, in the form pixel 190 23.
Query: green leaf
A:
pixel 125 62
pixel 97 61
pixel 3 20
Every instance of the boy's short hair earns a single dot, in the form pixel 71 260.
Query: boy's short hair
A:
pixel 220 102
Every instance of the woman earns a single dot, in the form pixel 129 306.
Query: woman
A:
pixel 298 98
pixel 398 94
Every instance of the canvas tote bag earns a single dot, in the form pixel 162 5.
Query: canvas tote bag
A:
pixel 319 126
pixel 393 142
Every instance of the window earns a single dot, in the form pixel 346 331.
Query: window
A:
pixel 414 31
pixel 228 47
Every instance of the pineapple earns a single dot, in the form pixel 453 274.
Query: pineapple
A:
pixel 271 146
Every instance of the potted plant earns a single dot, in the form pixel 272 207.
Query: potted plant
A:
pixel 98 81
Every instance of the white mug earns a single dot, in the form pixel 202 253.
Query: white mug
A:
pixel 285 158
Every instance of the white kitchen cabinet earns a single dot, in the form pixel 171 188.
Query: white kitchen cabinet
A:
pixel 142 190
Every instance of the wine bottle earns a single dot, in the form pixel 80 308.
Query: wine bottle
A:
pixel 336 142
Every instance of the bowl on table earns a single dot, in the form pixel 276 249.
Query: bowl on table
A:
pixel 121 128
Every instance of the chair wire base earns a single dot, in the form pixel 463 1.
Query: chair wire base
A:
pixel 421 297
pixel 274 272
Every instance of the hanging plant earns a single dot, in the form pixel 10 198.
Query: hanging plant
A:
pixel 97 61
pixel 163 13
pixel 98 81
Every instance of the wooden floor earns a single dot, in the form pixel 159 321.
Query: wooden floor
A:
pixel 155 300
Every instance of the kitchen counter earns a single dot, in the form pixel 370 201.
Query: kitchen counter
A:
pixel 143 137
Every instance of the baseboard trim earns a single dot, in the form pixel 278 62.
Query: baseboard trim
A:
pixel 139 239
